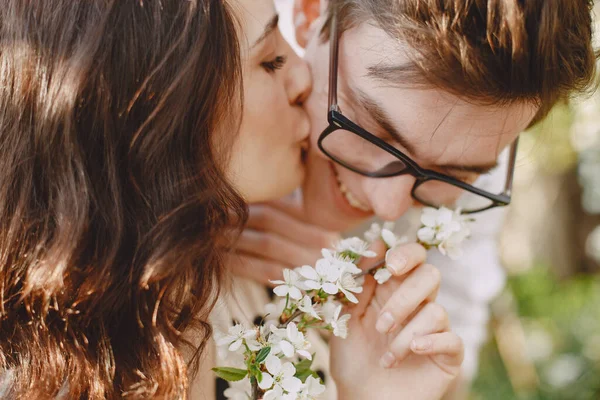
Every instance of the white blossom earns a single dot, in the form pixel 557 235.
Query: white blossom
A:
pixel 342 263
pixel 444 229
pixel 438 225
pixel 452 246
pixel 291 341
pixel 235 337
pixel 382 275
pixel 312 389
pixel 348 285
pixel 331 314
pixel 274 310
pixel 239 390
pixel 323 276
pixel 391 240
pixel 279 378
pixel 289 286
pixel 277 393
pixel 355 246
pixel 307 307
pixel 373 233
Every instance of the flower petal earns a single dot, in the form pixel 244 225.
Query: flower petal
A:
pixel 281 291
pixel 273 364
pixel 266 382
pixel 426 235
pixel 292 384
pixel 287 348
pixel 235 345
pixel 330 288
pixel 274 394
pixel 305 354
pixel 295 293
pixel 309 272
pixel 288 370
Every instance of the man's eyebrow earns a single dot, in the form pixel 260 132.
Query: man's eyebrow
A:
pixel 269 28
pixel 381 117
pixel 475 169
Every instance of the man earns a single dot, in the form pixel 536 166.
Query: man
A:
pixel 429 93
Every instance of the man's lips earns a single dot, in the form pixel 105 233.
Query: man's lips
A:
pixel 348 198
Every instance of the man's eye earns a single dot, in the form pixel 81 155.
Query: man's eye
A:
pixel 275 64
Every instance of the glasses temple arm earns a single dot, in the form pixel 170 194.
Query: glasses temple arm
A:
pixel 333 63
pixel 512 160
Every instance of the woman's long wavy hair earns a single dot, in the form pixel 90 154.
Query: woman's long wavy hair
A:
pixel 112 191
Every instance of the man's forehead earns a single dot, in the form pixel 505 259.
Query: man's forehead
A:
pixel 432 121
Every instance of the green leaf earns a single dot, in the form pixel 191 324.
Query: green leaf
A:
pixel 304 364
pixel 262 354
pixel 303 370
pixel 305 374
pixel 230 374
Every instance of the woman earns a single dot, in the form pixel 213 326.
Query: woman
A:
pixel 131 134
pixel 117 125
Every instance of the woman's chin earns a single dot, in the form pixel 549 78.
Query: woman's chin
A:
pixel 273 189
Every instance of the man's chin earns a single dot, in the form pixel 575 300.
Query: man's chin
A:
pixel 324 203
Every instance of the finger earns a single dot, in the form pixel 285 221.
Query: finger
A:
pixel 269 219
pixel 402 259
pixel 291 205
pixel 448 346
pixel 274 247
pixel 432 318
pixel 416 288
pixel 257 269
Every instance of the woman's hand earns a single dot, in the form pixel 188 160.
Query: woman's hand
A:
pixel 275 238
pixel 399 344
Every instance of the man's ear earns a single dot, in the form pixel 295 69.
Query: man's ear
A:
pixel 306 13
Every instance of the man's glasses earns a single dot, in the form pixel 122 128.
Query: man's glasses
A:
pixel 358 150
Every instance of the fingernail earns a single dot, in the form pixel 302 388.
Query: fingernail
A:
pixel 395 262
pixel 421 344
pixel 384 323
pixel 387 360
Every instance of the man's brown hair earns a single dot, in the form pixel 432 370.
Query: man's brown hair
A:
pixel 491 51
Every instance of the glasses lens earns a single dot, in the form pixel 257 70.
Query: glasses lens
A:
pixel 361 155
pixel 437 193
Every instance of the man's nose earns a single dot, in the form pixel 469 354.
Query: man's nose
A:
pixel 390 198
pixel 298 82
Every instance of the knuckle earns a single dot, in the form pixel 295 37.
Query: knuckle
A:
pixel 433 272
pixel 263 244
pixel 438 313
pixel 399 302
pixel 327 240
pixel 257 213
pixel 273 273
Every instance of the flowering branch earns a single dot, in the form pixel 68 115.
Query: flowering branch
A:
pixel 272 360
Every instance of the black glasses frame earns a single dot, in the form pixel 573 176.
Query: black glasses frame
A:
pixel 338 121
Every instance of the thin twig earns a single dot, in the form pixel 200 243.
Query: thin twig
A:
pixel 297 313
pixel 254 389
pixel 368 271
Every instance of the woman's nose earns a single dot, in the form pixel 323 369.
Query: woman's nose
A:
pixel 390 198
pixel 298 80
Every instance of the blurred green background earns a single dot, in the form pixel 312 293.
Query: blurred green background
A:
pixel 545 330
